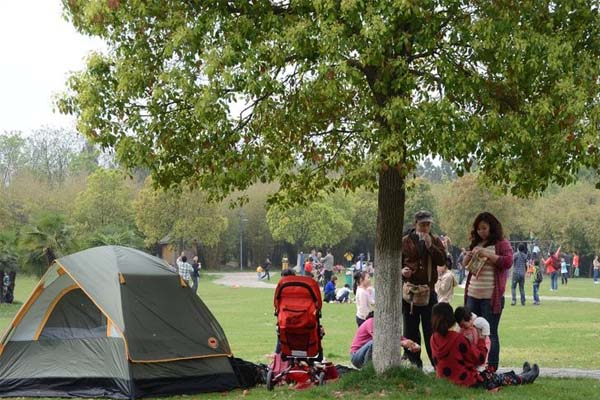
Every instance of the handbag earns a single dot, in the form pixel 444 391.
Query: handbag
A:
pixel 417 295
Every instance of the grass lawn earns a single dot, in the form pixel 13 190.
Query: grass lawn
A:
pixel 538 333
pixel 557 334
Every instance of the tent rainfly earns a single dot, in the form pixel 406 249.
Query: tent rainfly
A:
pixel 113 322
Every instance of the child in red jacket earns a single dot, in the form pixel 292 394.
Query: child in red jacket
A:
pixel 466 324
pixel 456 359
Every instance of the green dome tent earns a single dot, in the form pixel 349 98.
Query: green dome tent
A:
pixel 113 322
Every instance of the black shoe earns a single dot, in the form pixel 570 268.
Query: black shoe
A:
pixel 526 367
pixel 531 375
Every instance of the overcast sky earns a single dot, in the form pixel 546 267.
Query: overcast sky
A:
pixel 38 48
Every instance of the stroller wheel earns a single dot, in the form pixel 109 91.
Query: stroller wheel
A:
pixel 321 378
pixel 269 380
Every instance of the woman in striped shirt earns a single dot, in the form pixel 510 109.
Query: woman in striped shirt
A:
pixel 484 292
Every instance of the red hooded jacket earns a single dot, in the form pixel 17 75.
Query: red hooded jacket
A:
pixel 456 359
pixel 553 263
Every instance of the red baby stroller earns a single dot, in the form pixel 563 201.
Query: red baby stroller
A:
pixel 298 304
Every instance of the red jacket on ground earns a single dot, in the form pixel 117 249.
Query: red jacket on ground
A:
pixel 456 358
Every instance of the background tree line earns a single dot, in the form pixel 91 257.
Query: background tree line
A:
pixel 59 192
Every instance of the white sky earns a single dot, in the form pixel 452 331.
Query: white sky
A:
pixel 38 48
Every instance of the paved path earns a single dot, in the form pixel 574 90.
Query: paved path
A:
pixel 578 299
pixel 243 279
pixel 249 279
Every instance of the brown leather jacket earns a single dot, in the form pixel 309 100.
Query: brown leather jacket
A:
pixel 411 259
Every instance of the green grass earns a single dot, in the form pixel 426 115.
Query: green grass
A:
pixel 556 334
pixel 538 333
pixel 407 383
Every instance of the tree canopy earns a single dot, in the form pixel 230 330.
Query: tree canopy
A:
pixel 473 197
pixel 418 197
pixel 105 201
pixel 180 214
pixel 11 155
pixel 318 223
pixel 344 94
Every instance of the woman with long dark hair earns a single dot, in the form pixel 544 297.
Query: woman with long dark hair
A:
pixel 492 255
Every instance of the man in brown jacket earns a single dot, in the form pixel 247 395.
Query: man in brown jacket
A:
pixel 422 252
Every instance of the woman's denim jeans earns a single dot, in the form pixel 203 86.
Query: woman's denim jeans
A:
pixel 483 308
pixel 554 280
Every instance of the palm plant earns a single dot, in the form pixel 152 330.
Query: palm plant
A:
pixel 116 235
pixel 48 234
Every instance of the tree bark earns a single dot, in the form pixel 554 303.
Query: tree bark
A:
pixel 50 256
pixel 388 280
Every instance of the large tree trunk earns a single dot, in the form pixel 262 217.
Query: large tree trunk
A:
pixel 388 280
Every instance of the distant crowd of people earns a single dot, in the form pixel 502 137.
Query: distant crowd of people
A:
pixel 532 265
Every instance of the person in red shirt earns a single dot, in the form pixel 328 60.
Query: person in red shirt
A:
pixel 308 267
pixel 456 358
pixel 575 264
pixel 553 268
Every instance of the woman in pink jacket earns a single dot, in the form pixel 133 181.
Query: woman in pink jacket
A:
pixel 484 290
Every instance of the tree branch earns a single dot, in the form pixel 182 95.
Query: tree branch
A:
pixel 355 64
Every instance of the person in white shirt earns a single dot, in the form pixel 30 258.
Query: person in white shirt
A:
pixel 362 296
pixel 444 286
pixel 342 294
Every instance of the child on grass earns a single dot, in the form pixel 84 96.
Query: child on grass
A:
pixel 329 290
pixel 364 305
pixel 466 320
pixel 456 358
pixel 343 294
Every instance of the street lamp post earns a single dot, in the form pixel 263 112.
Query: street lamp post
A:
pixel 242 220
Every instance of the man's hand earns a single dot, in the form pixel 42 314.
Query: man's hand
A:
pixel 406 272
pixel 427 239
pixel 410 345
